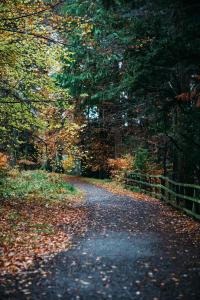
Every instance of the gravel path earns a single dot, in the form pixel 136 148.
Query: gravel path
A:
pixel 133 249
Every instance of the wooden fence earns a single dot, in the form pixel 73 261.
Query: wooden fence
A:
pixel 181 195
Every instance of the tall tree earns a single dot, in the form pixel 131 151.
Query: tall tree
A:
pixel 30 54
pixel 136 63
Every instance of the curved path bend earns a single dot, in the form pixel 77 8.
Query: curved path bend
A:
pixel 133 249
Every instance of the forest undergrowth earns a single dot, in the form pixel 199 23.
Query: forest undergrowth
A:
pixel 34 207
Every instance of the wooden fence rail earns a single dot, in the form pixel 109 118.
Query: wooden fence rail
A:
pixel 181 195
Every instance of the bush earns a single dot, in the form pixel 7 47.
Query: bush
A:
pixel 4 165
pixel 142 163
pixel 69 163
pixel 141 160
pixel 119 167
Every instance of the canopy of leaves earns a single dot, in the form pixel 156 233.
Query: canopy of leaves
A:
pixel 137 64
pixel 34 110
pixel 112 76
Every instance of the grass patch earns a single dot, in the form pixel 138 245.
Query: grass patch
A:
pixel 33 206
pixel 36 184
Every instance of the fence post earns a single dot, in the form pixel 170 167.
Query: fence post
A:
pixel 161 191
pixel 194 204
pixel 167 193
pixel 178 194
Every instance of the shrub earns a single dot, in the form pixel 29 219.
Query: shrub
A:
pixel 4 165
pixel 68 163
pixel 143 163
pixel 3 161
pixel 141 160
pixel 119 167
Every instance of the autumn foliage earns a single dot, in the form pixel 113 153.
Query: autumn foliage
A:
pixel 3 161
pixel 119 166
pixel 34 206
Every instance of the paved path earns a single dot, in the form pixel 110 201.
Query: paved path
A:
pixel 133 249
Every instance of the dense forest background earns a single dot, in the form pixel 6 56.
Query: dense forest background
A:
pixel 107 85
